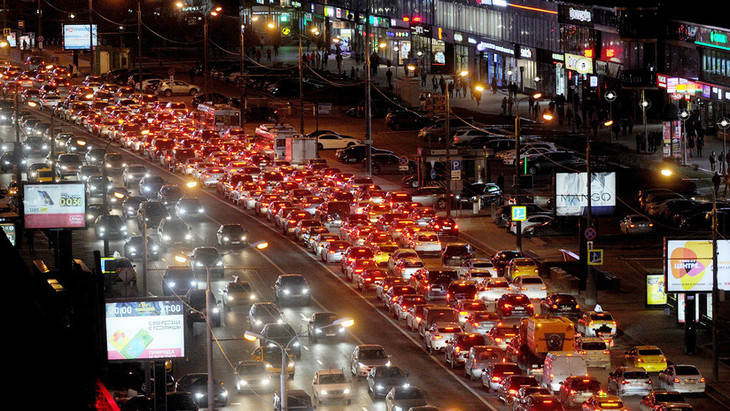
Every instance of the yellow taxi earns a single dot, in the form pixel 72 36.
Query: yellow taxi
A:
pixel 521 266
pixel 271 357
pixel 649 357
pixel 604 402
pixel 383 252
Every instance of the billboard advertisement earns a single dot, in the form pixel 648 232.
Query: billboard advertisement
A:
pixel 145 329
pixel 76 36
pixel 688 265
pixel 54 205
pixel 571 193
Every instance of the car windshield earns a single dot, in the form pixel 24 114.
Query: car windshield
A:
pixel 389 372
pixel 137 169
pixel 70 159
pixel 332 379
pixel 232 229
pixel 239 288
pixel 408 394
pixel 458 249
pixel 668 397
pixel 325 318
pixel 507 369
pixel 650 351
pixel 531 280
pixel 636 375
pixel 593 345
pixel 252 368
pixel 686 370
pixel 371 354
pixel 586 384
pixel 176 225
pixel 565 299
pixel 489 355
pixel 293 280
pixel 280 330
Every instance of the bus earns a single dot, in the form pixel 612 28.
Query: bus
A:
pixel 218 116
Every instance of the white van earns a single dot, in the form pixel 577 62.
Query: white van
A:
pixel 560 365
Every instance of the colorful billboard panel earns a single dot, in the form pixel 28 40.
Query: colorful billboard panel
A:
pixel 145 329
pixel 688 265
pixel 571 193
pixel 54 205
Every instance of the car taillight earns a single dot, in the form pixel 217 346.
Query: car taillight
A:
pixel 581 352
pixel 607 352
pixel 664 359
pixel 475 324
pixel 624 382
pixel 496 378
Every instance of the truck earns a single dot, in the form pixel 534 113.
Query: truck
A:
pixel 276 135
pixel 539 336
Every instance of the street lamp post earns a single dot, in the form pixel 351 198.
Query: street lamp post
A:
pixel 683 116
pixel 645 104
pixel 252 336
pixel 518 228
pixel 447 143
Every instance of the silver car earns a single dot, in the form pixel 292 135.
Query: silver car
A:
pixel 480 356
pixel 365 357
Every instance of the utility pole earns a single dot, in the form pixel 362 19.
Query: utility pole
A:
pixel 368 102
pixel 139 44
pixel 591 296
pixel 301 78
pixel 91 38
pixel 242 77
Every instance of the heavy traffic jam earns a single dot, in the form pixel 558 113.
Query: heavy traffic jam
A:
pixel 490 320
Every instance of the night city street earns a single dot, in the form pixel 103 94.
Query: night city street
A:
pixel 376 206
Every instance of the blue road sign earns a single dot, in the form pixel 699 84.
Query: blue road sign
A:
pixel 455 165
pixel 595 257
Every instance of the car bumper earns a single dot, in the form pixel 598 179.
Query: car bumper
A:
pixel 438 345
pixel 696 388
pixel 653 367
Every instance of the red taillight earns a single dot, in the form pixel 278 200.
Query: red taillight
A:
pixel 496 378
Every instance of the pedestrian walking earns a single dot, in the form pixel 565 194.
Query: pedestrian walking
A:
pixel 530 103
pixel 451 88
pixel 722 158
pixel 713 160
pixel 504 106
pixel 536 110
pixel 434 83
pixel 700 144
pixel 258 56
pixel 510 103
pixel 494 85
pixel 716 180
pixel 268 54
pixel 691 146
pixel 423 78
pixel 442 85
pixel 477 95
pixel 465 88
pixel 389 77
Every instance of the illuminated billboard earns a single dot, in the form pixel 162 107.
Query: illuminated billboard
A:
pixel 571 193
pixel 145 329
pixel 76 36
pixel 688 265
pixel 54 205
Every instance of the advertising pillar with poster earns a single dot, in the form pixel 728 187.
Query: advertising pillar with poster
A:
pixel 656 296
pixel 672 139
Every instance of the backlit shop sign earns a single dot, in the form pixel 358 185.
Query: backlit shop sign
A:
pixel 579 15
pixel 482 46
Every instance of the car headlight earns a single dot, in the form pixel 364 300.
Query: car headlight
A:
pixel 252 297
pixel 269 365
pixel 406 385
pixel 305 291
pixel 201 210
pixel 379 387
pixel 101 229
pixel 243 382
pixel 296 344
pixel 285 291
pixel 219 264
pixel 216 310
pixel 323 392
pixel 132 250
pixel 318 331
pixel 146 189
pixel 346 391
pixel 199 395
pixel 226 238
pixel 181 211
pixel 154 248
pixel 290 365
pixel 387 364
pixel 243 238
pixel 171 284
pixel 194 284
pixel 166 237
pixel 198 264
pixel 257 322
pixel 188 236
